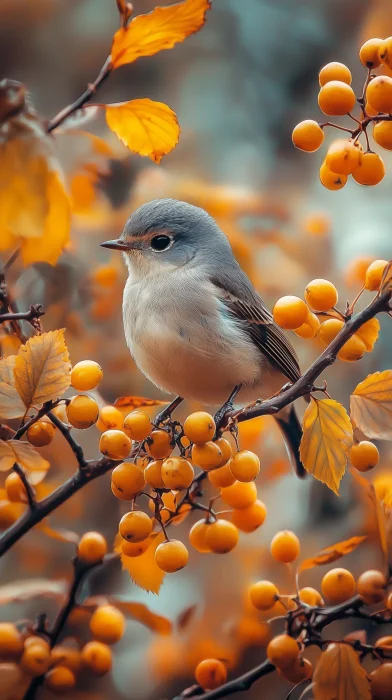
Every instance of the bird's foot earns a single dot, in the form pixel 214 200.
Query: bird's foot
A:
pixel 228 406
pixel 164 416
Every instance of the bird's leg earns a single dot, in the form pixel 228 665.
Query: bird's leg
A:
pixel 166 414
pixel 227 406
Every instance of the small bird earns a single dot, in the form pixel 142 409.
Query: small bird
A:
pixel 194 323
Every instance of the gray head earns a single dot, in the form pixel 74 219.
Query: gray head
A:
pixel 165 234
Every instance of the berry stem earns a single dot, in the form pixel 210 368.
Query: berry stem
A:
pixel 74 445
pixel 29 489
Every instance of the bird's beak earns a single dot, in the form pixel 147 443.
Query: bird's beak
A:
pixel 116 244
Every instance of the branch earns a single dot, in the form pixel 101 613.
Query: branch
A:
pixel 237 685
pixel 29 489
pixel 36 311
pixel 74 445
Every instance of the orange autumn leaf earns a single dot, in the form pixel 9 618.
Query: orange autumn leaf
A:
pixel 144 126
pixel 22 452
pixel 132 402
pixel 339 675
pixel 143 570
pixel 326 441
pixel 371 405
pixel 332 553
pixel 11 405
pixel 160 29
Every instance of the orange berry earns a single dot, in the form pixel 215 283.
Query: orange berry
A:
pixel 338 585
pixel 240 495
pixel 285 546
pixel 137 425
pixel 369 53
pixel 177 473
pixel 15 489
pixel 199 427
pixel 41 433
pixel 342 157
pixel 135 549
pixel 374 275
pixel 36 640
pixel 368 333
pixel 105 275
pixel 110 418
pixel 369 111
pixel 381 680
pixel 221 477
pixel 321 295
pixel 370 170
pixel 382 134
pixel 298 670
pixel 263 595
pixel 128 478
pixel 97 657
pixel 385 52
pixel 290 312
pixel 159 444
pixel 353 349
pixel 330 329
pixel 135 526
pixel 334 71
pixel 379 93
pixel 11 642
pixel 210 673
pixel 330 180
pixel 388 603
pixel 364 455
pixel 36 659
pixel 60 680
pixel 308 136
pixel 66 656
pixel 384 641
pixel 208 456
pixel 115 444
pixel 197 536
pixel 92 547
pixel 336 98
pixel 310 328
pixel 356 270
pixel 82 412
pixel 221 536
pixel 310 596
pixel 107 624
pixel 153 474
pixel 249 519
pixel 252 632
pixel 317 224
pixel 282 650
pixel 371 586
pixel 245 465
pixel 86 375
pixel 171 556
pixel 226 450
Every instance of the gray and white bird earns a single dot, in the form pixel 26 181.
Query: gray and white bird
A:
pixel 194 323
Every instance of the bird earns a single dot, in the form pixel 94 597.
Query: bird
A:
pixel 194 324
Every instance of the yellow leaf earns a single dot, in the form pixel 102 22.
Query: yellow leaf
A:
pixel 332 553
pixel 143 570
pixel 368 333
pixel 339 675
pixel 22 452
pixel 132 402
pixel 371 405
pixel 42 368
pixel 145 127
pixel 160 29
pixel 11 405
pixel 326 441
pixel 381 522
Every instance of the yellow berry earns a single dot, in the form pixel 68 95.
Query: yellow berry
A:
pixel 321 295
pixel 36 659
pixel 368 333
pixel 226 450
pixel 370 170
pixel 353 349
pixel 92 547
pixel 369 53
pixel 381 682
pixel 338 585
pixel 11 642
pixel 310 596
pixel 66 656
pixel 15 489
pixel 374 275
pixel 245 465
pixel 97 657
pixel 310 328
pixel 388 603
pixel 371 585
pixel 308 136
pixel 171 556
pixel 330 329
pixel 199 427
pixel 107 624
pixel 379 93
pixel 41 433
pixel 263 595
pixel 356 270
pixel 290 312
pixel 249 519
pixel 298 671
pixel 384 641
pixel 364 456
pixel 385 52
pixel 240 495
pixel 282 650
pixel 285 546
pixel 153 474
pixel 115 444
pixel 82 412
pixel 105 275
pixel 252 632
pixel 36 640
pixel 159 444
pixel 60 680
pixel 135 526
pixel 86 375
pixel 210 674
pixel 137 425
pixel 222 536
pixel 110 418
pixel 342 157
pixel 128 478
pixel 177 473
pixel 382 134
pixel 135 549
pixel 221 477
pixel 197 536
pixel 336 98
pixel 369 111
pixel 330 180
pixel 207 456
pixel 334 71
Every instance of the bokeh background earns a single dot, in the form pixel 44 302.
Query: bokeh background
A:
pixel 238 87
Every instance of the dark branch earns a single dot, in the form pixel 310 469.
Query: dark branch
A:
pixel 237 685
pixel 74 445
pixel 35 312
pixel 29 489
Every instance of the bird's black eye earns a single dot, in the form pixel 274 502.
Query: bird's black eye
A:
pixel 161 243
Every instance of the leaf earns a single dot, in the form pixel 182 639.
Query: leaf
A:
pixel 42 368
pixel 371 405
pixel 368 333
pixel 381 522
pixel 160 29
pixel 145 127
pixel 185 617
pixel 332 553
pixel 143 570
pixel 22 452
pixel 60 535
pixel 326 441
pixel 19 591
pixel 386 280
pixel 132 402
pixel 137 611
pixel 11 405
pixel 339 675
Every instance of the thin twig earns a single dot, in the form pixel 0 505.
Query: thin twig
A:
pixel 36 311
pixel 74 445
pixel 28 487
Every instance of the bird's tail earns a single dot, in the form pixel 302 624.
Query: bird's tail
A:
pixel 292 433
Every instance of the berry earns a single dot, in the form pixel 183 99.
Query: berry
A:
pixel 353 349
pixel 338 585
pixel 36 640
pixel 379 93
pixel 107 624
pixel 159 444
pixel 342 157
pixel 222 536
pixel 385 52
pixel 66 656
pixel 290 312
pixel 308 136
pixel 298 670
pixel 388 603
pixel 334 71
pixel 197 536
pixel 92 547
pixel 11 643
pixel 384 641
pixel 240 495
pixel 285 546
pixel 153 474
pixel 381 679
pixel 105 275
pixel 128 478
pixel 226 450
pixel 364 456
pixel 177 473
pixel 321 295
pixel 210 674
pixel 368 333
pixel 115 444
pixel 369 53
pixel 282 650
pixel 60 680
pixel 36 659
pixel 330 329
pixel 135 526
pixel 41 433
pixel 356 270
pixel 221 477
pixel 310 596
pixel 252 632
pixel 374 275
pixel 249 519
pixel 336 98
pixel 263 595
pixel 208 456
pixel 137 425
pixel 86 375
pixel 82 412
pixel 97 657
pixel 15 489
pixel 171 556
pixel 370 170
pixel 310 328
pixel 382 134
pixel 330 180
pixel 371 586
pixel 135 549
pixel 245 465
pixel 199 427
pixel 110 418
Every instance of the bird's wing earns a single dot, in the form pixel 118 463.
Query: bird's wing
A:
pixel 257 321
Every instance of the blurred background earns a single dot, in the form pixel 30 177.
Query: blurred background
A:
pixel 238 88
